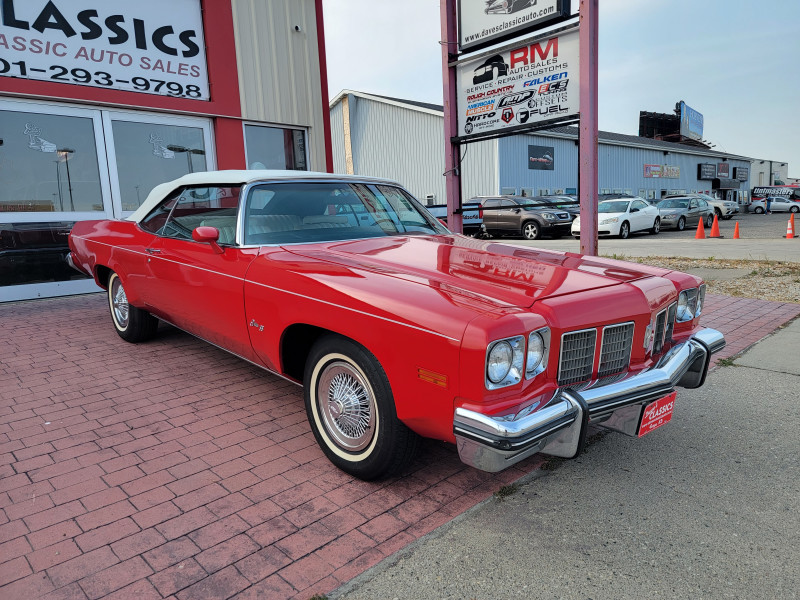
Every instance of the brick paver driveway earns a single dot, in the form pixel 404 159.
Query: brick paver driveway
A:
pixel 174 469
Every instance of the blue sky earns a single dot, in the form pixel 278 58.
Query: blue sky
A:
pixel 735 61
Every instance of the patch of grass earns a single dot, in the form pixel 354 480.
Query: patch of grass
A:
pixel 318 597
pixel 506 491
pixel 726 362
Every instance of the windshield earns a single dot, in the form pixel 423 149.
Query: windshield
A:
pixel 675 203
pixel 280 213
pixel 613 206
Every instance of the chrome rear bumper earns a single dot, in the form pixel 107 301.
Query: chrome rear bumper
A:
pixel 559 429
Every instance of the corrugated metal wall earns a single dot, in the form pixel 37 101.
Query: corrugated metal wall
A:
pixel 279 79
pixel 407 146
pixel 337 139
pixel 620 167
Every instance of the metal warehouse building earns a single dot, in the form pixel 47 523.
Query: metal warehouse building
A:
pixel 404 140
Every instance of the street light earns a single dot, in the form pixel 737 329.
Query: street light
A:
pixel 189 152
pixel 64 153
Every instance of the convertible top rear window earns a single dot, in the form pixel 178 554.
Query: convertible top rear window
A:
pixel 298 212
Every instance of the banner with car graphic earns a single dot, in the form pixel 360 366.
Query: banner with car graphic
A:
pixel 528 85
pixel 485 22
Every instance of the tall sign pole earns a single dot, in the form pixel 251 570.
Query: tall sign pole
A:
pixel 452 152
pixel 588 136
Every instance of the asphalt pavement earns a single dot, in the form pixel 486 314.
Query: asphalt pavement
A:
pixel 707 506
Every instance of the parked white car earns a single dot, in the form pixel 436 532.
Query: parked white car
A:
pixel 777 204
pixel 622 217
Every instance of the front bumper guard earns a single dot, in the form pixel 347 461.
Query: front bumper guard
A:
pixel 559 429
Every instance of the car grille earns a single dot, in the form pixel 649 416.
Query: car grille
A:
pixel 615 354
pixel 563 216
pixel 577 356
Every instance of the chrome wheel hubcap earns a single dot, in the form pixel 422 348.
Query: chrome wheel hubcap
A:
pixel 119 304
pixel 347 407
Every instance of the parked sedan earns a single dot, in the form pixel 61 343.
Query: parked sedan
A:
pixel 396 328
pixel 622 217
pixel 681 211
pixel 519 215
pixel 777 204
pixel 724 209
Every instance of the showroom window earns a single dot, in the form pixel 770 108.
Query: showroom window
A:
pixel 149 153
pixel 48 163
pixel 275 148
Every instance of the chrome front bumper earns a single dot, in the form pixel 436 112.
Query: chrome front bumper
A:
pixel 559 429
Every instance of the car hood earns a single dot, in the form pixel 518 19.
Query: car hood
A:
pixel 497 274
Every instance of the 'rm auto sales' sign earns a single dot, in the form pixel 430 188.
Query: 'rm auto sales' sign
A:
pixel 532 82
pixel 148 46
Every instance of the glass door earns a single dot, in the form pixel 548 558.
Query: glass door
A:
pixel 53 172
pixel 146 150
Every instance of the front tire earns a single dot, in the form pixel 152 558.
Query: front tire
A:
pixel 351 410
pixel 132 324
pixel 624 231
pixel 681 224
pixel 656 226
pixel 531 230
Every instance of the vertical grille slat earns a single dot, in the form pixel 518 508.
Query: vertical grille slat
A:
pixel 615 354
pixel 661 325
pixel 671 313
pixel 577 356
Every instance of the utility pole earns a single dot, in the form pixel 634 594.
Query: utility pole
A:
pixel 588 136
pixel 452 157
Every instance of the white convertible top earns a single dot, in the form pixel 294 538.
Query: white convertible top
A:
pixel 158 193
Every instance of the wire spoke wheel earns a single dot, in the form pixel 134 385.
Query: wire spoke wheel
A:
pixel 347 406
pixel 119 303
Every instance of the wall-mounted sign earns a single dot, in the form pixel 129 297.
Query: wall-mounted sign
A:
pixel 541 158
pixel 741 173
pixel 691 122
pixel 532 82
pixel 148 46
pixel 723 170
pixel 706 171
pixel 662 171
pixel 484 22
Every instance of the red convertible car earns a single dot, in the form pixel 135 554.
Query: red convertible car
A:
pixel 396 327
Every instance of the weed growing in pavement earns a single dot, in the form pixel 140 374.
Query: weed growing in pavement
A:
pixel 318 597
pixel 726 362
pixel 506 491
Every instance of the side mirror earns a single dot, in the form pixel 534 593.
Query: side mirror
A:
pixel 208 235
pixel 633 210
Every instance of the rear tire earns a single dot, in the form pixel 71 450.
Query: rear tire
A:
pixel 709 220
pixel 795 209
pixel 351 410
pixel 758 210
pixel 132 324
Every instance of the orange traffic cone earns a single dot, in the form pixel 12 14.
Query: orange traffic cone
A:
pixel 790 228
pixel 715 228
pixel 736 231
pixel 701 231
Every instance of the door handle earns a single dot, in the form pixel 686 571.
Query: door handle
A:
pixel 153 250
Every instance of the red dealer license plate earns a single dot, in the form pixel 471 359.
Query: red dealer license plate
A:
pixel 657 413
